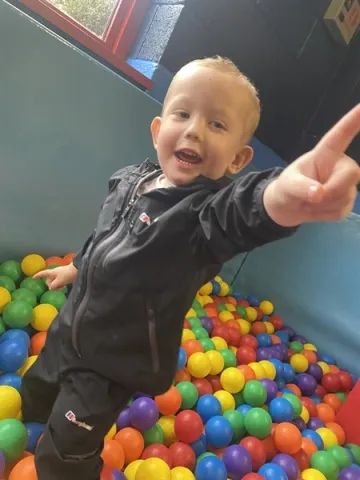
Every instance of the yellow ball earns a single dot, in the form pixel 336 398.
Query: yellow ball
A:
pixel 206 289
pixel 111 433
pixel 181 473
pixel 5 298
pixel 153 469
pixel 207 300
pixel 251 314
pixel 29 362
pixel 324 367
pixel 233 349
pixel 299 363
pixel 43 317
pixel 199 365
pixel 230 307
pixel 167 424
pixel 190 313
pixel 305 415
pixel 224 289
pixel 310 346
pixel 312 474
pixel 258 370
pixel 187 334
pixel 328 437
pixel 216 361
pixel 218 279
pixel 200 299
pixel 232 380
pixel 225 316
pixel 32 264
pixel 131 469
pixel 226 400
pixel 267 307
pixel 270 329
pixel 269 368
pixel 245 326
pixel 20 417
pixel 220 343
pixel 10 402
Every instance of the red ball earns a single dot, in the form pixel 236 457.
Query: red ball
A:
pixel 320 391
pixel 260 313
pixel 188 426
pixel 157 450
pixel 221 331
pixel 215 382
pixel 256 449
pixel 182 455
pixel 310 405
pixel 245 355
pixel 253 476
pixel 331 382
pixel 244 303
pixel 345 380
pixel 249 341
pixel 216 321
pixel 235 337
pixel 302 459
pixel 203 386
pixel 187 324
pixel 106 473
pixel 276 321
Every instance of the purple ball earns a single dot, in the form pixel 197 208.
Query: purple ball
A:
pixel 117 475
pixel 271 389
pixel 123 420
pixel 307 383
pixel 299 423
pixel 315 371
pixel 349 473
pixel 144 413
pixel 300 338
pixel 238 461
pixel 314 423
pixel 207 323
pixel 139 394
pixel 283 351
pixel 290 331
pixel 288 464
pixel 2 463
pixel 262 353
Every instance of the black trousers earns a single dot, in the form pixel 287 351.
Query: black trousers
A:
pixel 78 406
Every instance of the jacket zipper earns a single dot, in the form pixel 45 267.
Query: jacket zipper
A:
pixel 153 338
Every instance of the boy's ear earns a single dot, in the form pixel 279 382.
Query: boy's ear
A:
pixel 242 159
pixel 155 128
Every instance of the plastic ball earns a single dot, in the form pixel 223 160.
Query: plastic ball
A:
pixel 10 402
pixel 34 432
pixel 153 469
pixel 188 426
pixel 13 438
pixel 349 473
pixel 288 464
pixel 182 455
pixel 232 380
pixel 281 410
pixel 237 461
pixel 181 473
pixel 341 456
pixel 269 368
pixel 155 434
pixel 216 360
pixel 189 394
pixel 326 464
pixel 267 307
pixel 169 402
pixel 5 298
pixel 199 365
pixel 43 317
pixel 208 406
pixel 28 363
pixel 144 413
pixel 272 471
pixel 254 393
pixel 17 314
pixel 226 400
pixel 287 438
pixel 236 420
pixel 11 380
pixel 314 437
pixel 24 469
pixel 218 431
pixel 256 449
pixel 331 382
pixel 132 443
pixel 113 454
pixel 12 269
pixel 258 423
pixel 167 424
pixel 210 467
pixel 312 474
pixel 328 437
pixel 13 354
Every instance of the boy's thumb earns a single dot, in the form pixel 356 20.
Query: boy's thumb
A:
pixel 306 189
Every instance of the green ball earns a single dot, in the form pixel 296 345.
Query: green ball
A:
pixel 298 347
pixel 155 434
pixel 341 456
pixel 239 399
pixel 229 357
pixel 207 344
pixel 200 312
pixel 236 420
pixel 204 455
pixel 17 314
pixel 325 463
pixel 200 333
pixel 2 326
pixel 295 402
pixel 7 283
pixel 36 286
pixel 241 310
pixel 11 269
pixel 189 395
pixel 194 322
pixel 355 451
pixel 342 396
pixel 221 307
pixel 26 295
pixel 258 423
pixel 13 439
pixel 57 299
pixel 254 393
pixel 196 304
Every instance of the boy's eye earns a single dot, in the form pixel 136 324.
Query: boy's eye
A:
pixel 182 114
pixel 217 124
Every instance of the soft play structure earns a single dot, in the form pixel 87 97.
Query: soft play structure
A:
pixel 266 386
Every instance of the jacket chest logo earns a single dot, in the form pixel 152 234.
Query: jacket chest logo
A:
pixel 144 218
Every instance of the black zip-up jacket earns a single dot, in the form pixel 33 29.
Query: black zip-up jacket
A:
pixel 148 256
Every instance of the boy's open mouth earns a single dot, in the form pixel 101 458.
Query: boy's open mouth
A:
pixel 187 156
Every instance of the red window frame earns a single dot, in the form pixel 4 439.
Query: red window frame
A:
pixel 120 35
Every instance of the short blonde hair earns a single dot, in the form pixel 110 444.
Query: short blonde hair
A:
pixel 227 66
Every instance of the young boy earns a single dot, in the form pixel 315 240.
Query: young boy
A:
pixel 163 231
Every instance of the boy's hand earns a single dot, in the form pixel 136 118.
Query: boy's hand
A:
pixel 321 184
pixel 58 278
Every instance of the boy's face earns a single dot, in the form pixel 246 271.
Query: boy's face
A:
pixel 203 127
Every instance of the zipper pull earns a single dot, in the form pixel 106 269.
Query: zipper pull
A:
pixel 128 207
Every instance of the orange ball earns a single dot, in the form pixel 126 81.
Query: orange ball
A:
pixel 308 446
pixel 231 300
pixel 169 402
pixel 270 447
pixel 233 324
pixel 132 443
pixel 275 339
pixel 248 372
pixel 338 430
pixel 25 469
pixel 295 389
pixel 182 376
pixel 287 438
pixel 333 401
pixel 68 258
pixel 113 454
pixel 258 327
pixel 54 261
pixel 325 412
pixel 37 343
pixel 334 369
pixel 192 346
pixel 310 355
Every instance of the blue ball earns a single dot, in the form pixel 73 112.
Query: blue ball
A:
pixel 314 436
pixel 253 300
pixel 280 382
pixel 289 373
pixel 34 430
pixel 15 334
pixel 237 295
pixel 327 358
pixel 244 408
pixel 218 431
pixel 13 353
pixel 283 335
pixel 287 390
pixel 208 406
pixel 216 287
pixel 117 475
pixel 281 410
pixel 315 398
pixel 264 340
pixel 271 471
pixel 182 359
pixel 199 446
pixel 11 380
pixel 279 367
pixel 210 467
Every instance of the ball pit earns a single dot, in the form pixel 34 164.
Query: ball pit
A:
pixel 251 399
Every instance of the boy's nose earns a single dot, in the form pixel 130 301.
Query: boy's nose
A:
pixel 195 130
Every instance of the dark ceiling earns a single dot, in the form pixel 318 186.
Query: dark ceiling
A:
pixel 306 79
